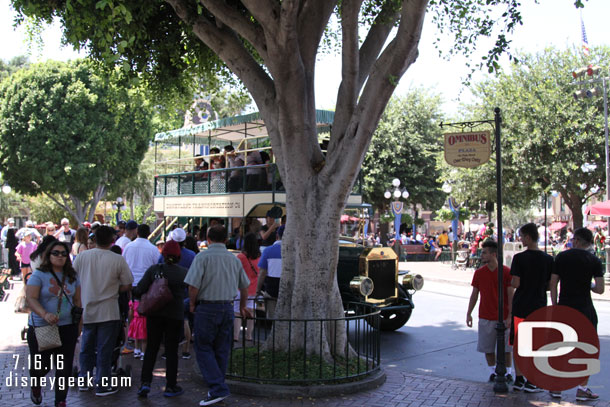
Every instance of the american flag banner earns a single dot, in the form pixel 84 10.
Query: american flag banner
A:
pixel 585 43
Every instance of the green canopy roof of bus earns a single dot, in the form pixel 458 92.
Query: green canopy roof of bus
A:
pixel 233 129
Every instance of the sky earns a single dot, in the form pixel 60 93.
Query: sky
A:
pixel 552 22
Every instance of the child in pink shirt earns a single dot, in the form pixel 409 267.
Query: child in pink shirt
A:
pixel 23 252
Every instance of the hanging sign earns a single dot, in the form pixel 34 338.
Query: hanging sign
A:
pixel 467 150
pixel 397 207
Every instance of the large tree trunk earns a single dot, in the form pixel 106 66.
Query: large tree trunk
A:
pixel 574 202
pixel 286 38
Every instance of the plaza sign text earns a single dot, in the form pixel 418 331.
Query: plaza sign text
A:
pixel 467 150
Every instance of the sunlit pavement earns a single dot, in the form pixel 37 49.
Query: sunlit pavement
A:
pixel 401 389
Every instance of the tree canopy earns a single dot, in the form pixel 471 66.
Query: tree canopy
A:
pixel 404 146
pixel 68 130
pixel 550 141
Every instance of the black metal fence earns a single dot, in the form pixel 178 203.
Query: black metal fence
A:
pixel 304 361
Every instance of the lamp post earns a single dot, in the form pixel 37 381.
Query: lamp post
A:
pixel 364 225
pixel 118 206
pixel 396 204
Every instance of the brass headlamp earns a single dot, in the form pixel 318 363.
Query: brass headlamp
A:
pixel 411 282
pixel 362 285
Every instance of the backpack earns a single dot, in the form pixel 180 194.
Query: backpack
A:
pixel 427 247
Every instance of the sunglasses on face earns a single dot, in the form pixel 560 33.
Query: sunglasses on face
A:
pixel 58 253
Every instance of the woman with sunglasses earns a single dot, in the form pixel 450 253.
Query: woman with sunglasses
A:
pixel 53 286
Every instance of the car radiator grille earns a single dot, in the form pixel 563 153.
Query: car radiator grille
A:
pixel 383 274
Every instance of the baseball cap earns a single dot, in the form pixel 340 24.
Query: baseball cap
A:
pixel 11 220
pixel 177 235
pixel 87 225
pixel 160 242
pixel 171 248
pixel 131 225
pixel 29 224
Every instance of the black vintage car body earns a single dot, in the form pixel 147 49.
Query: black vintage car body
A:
pixel 392 291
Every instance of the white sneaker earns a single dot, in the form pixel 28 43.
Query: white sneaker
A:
pixel 209 400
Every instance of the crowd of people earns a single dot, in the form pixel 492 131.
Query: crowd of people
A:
pixel 555 241
pixel 89 283
pixel 259 175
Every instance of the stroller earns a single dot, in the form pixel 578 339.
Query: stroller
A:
pixel 461 260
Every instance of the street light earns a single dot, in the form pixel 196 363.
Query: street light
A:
pixel 6 188
pixel 118 206
pixel 396 205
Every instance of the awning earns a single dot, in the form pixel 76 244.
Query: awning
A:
pixel 235 128
pixel 600 208
pixel 557 225
pixel 595 223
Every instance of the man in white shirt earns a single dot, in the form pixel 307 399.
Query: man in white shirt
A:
pixel 103 274
pixel 131 230
pixel 140 254
pixel 65 233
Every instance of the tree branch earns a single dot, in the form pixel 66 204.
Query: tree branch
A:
pixel 64 205
pixel 368 53
pixel 376 38
pixel 313 19
pixel 229 48
pixel 385 75
pixel 348 91
pixel 240 23
pixel 266 12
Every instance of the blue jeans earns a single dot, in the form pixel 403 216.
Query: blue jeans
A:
pixel 213 340
pixel 100 338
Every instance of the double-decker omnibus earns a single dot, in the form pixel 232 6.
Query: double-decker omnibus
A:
pixel 194 184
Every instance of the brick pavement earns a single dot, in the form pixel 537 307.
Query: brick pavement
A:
pixel 401 389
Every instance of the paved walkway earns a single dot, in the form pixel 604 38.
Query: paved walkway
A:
pixel 400 390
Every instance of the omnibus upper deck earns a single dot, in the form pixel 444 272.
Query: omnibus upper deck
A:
pixel 182 190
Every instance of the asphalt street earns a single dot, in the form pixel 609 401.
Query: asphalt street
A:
pixel 436 340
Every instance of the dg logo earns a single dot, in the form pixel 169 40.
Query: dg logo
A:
pixel 556 348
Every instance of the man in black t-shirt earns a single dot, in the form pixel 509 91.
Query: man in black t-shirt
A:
pixel 531 271
pixel 575 268
pixel 268 232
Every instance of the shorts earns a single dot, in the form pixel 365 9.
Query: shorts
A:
pixel 488 336
pixel 514 323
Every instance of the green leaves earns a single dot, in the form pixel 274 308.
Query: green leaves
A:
pixel 547 135
pixel 69 127
pixel 404 147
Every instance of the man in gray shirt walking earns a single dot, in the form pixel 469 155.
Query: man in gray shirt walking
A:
pixel 213 278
